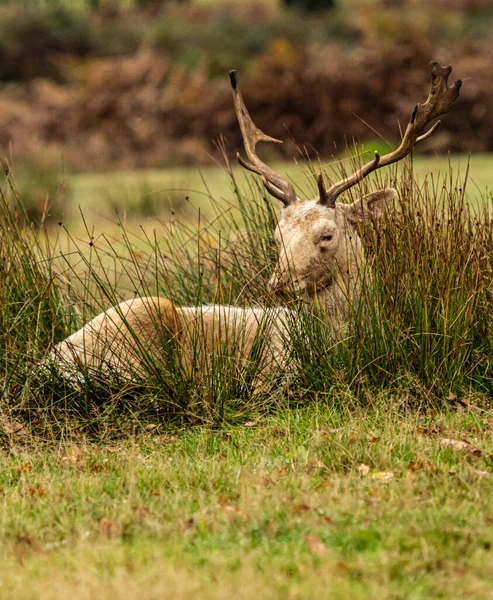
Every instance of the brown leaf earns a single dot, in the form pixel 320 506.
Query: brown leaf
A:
pixel 23 545
pixel 26 467
pixel 37 491
pixel 299 508
pixel 460 445
pixel 325 483
pixel 189 523
pixel 418 465
pixel 353 436
pixel 108 528
pixel 313 464
pixel 427 430
pixel 13 428
pixel 415 465
pixel 315 545
pixel 327 521
pixel 374 439
pixel 278 430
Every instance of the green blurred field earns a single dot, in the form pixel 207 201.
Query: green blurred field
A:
pixel 147 196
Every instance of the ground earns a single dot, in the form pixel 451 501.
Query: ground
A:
pixel 309 503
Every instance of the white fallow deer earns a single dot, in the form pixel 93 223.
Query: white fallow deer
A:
pixel 320 256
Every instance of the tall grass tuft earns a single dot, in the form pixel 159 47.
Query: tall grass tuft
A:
pixel 422 327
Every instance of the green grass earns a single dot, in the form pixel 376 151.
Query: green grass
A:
pixel 152 197
pixel 343 483
pixel 306 503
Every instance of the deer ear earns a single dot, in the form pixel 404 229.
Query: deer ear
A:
pixel 370 207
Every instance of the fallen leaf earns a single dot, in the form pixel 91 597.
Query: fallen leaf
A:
pixel 460 445
pixel 278 430
pixel 24 544
pixel 327 521
pixel 315 545
pixel 299 508
pixel 381 475
pixel 36 491
pixel 151 427
pixel 108 528
pixel 353 436
pixel 374 439
pixel 479 474
pixel 363 470
pixel 313 464
pixel 427 430
pixel 13 428
pixel 189 523
pixel 325 483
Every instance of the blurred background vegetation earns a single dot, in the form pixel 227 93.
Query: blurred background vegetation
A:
pixel 92 86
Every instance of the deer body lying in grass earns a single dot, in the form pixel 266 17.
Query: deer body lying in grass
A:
pixel 320 256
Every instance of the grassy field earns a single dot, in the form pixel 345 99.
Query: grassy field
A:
pixel 148 197
pixel 305 504
pixel 370 476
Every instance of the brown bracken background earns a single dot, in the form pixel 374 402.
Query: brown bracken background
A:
pixel 104 85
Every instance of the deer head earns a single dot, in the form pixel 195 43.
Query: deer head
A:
pixel 320 251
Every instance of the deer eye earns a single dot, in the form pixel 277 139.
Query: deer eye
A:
pixel 327 237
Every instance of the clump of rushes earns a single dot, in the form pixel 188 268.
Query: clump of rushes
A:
pixel 424 321
pixel 423 325
pixel 34 311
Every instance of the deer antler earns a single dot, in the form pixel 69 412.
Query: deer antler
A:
pixel 439 101
pixel 275 184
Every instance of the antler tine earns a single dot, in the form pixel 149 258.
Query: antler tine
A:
pixel 252 135
pixel 329 197
pixel 440 100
